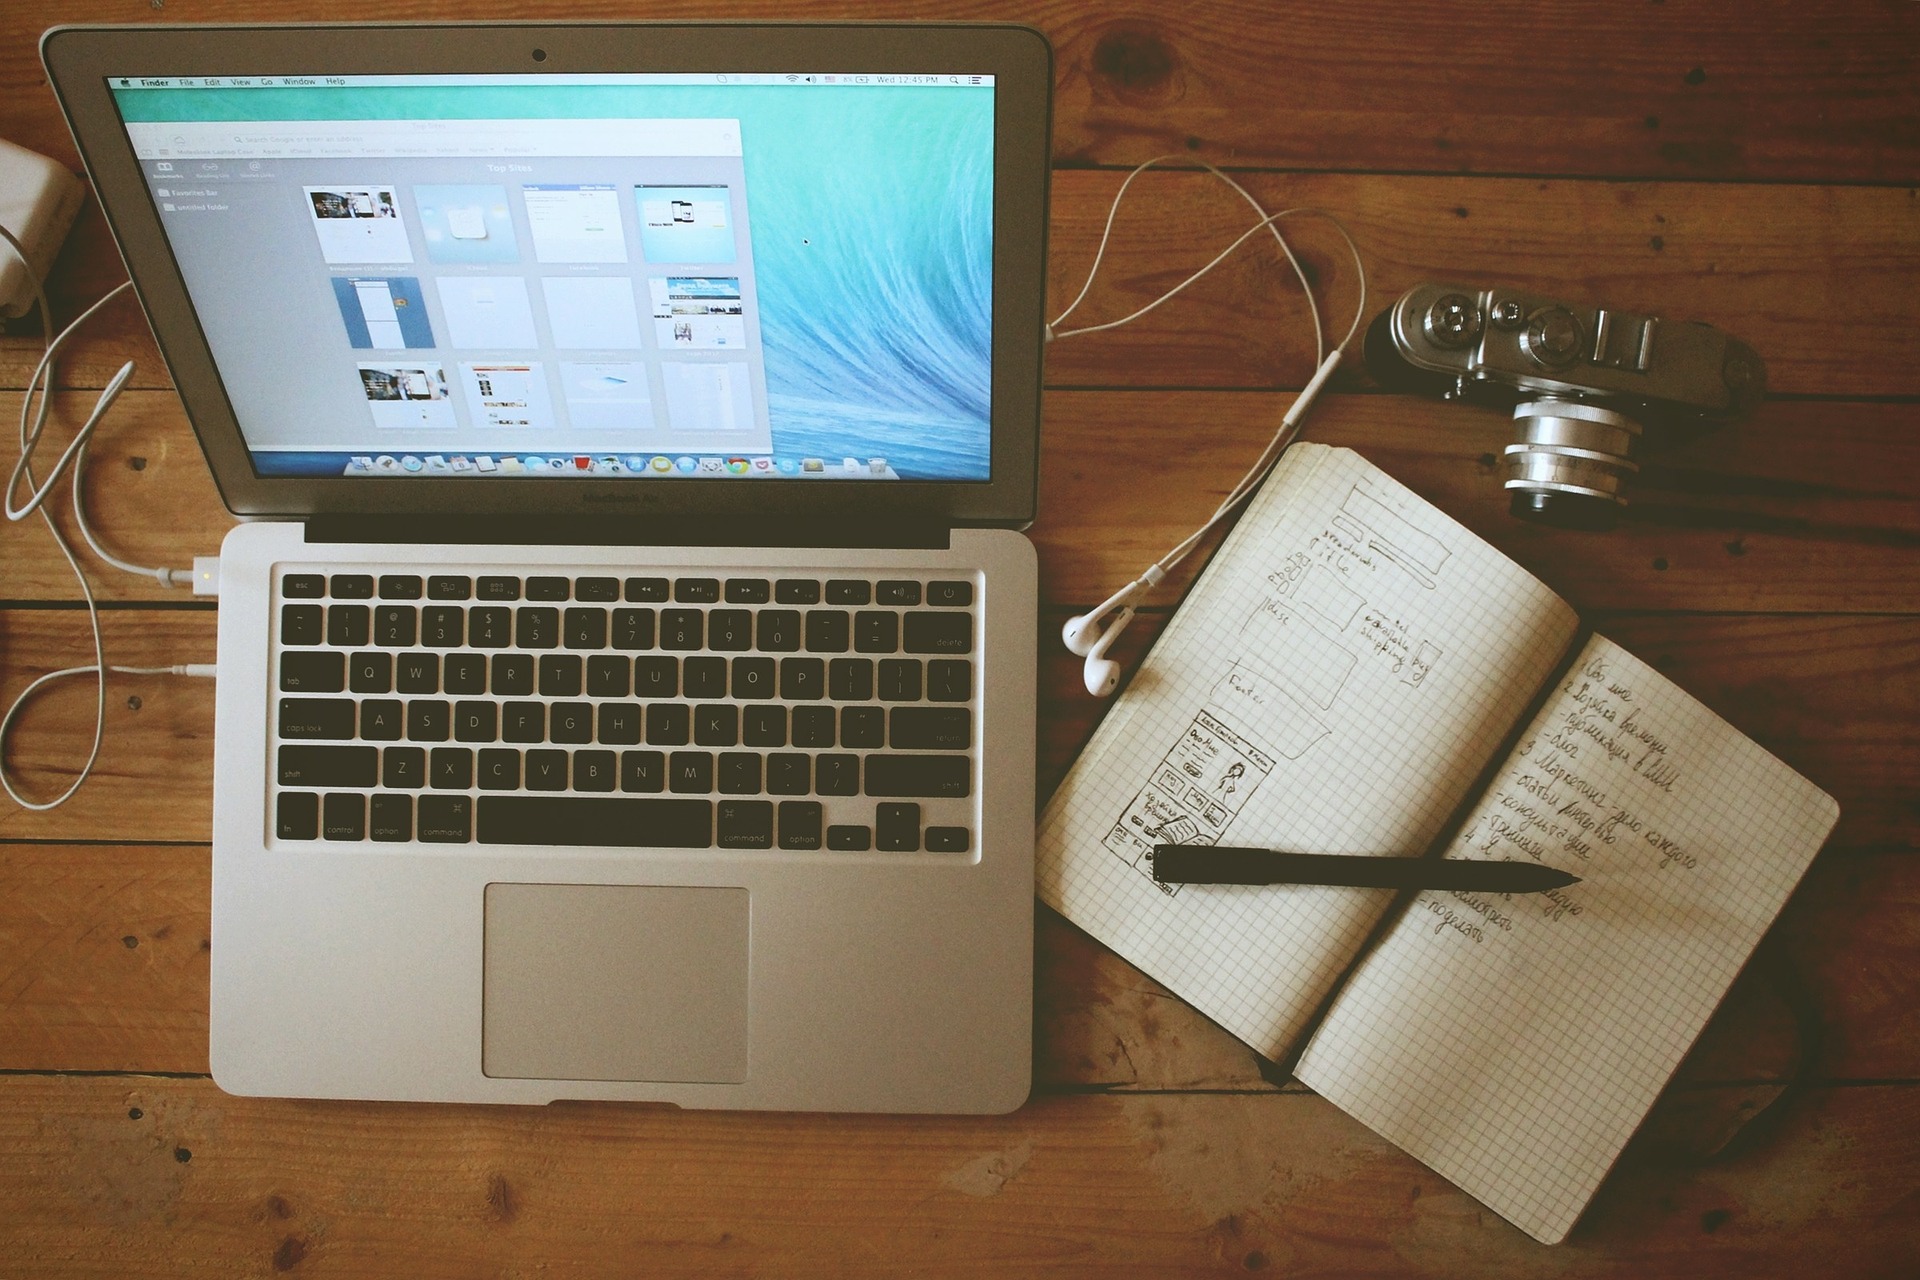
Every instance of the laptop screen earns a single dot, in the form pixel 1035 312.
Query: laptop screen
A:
pixel 650 276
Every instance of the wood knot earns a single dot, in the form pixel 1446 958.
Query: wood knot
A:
pixel 502 1201
pixel 1134 61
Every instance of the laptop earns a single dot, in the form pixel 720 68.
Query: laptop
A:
pixel 626 653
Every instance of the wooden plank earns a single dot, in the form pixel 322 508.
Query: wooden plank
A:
pixel 1820 280
pixel 1773 515
pixel 165 1177
pixel 1770 91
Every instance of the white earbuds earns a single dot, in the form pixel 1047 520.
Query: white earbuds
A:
pixel 1102 673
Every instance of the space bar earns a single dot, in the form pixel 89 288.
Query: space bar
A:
pixel 618 821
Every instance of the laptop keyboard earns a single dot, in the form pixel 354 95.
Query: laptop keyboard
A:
pixel 689 711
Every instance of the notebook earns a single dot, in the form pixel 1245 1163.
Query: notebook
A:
pixel 626 659
pixel 1356 673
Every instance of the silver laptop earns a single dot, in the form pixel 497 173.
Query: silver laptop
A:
pixel 626 656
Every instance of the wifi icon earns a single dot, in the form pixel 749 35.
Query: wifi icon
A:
pixel 793 78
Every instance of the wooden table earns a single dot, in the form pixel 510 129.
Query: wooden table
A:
pixel 1751 165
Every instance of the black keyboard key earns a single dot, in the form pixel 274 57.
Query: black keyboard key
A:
pixel 745 824
pixel 451 768
pixel 863 726
pixel 620 821
pixel 476 721
pixel 949 679
pixel 446 819
pixel 585 627
pixel 392 818
pixel 890 775
pixel 490 626
pixel 303 586
pixel 896 828
pixel 856 839
pixel 300 624
pixel 716 724
pixel 499 769
pixel 949 595
pixel 633 628
pixel 382 719
pixel 402 768
pixel 594 771
pixel 443 626
pixel 680 628
pixel 330 766
pixel 690 772
pixel 570 722
pixel 764 726
pixel 704 677
pixel 313 672
pixel 417 673
pixel 549 588
pixel 352 586
pixel 799 824
pixel 647 590
pixel 813 726
pixel 536 627
pixel 939 633
pixel 730 629
pixel 696 590
pixel 656 677
pixel 449 586
pixel 466 673
pixel 596 589
pixel 836 773
pixel 370 672
pixel 316 718
pixel 395 626
pixel 900 679
pixel 802 679
pixel 609 676
pixel 752 677
pixel 400 586
pixel 560 675
pixel 930 729
pixel 797 591
pixel 348 625
pixel 296 816
pixel 850 679
pixel 777 630
pixel 499 589
pixel 429 720
pixel 512 675
pixel 643 771
pixel 829 631
pixel 947 839
pixel 619 724
pixel 523 722
pixel 748 590
pixel 739 773
pixel 789 773
pixel 849 591
pixel 669 724
pixel 546 769
pixel 897 593
pixel 875 632
pixel 343 816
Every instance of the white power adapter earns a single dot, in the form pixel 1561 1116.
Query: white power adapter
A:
pixel 38 201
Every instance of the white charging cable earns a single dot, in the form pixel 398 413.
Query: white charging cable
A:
pixel 1092 634
pixel 33 424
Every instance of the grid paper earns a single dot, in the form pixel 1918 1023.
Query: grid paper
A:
pixel 1335 681
pixel 1518 1063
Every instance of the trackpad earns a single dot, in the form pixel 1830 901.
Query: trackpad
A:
pixel 615 982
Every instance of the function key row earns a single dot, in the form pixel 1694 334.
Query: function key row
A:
pixel 844 591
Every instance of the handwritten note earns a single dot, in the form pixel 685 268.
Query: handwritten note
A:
pixel 1514 1042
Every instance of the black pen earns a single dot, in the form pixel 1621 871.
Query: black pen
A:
pixel 1219 864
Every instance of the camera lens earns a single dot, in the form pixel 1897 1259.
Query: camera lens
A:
pixel 1569 463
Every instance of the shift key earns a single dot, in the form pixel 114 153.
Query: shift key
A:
pixel 328 766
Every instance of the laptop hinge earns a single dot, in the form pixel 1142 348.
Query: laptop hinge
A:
pixel 589 531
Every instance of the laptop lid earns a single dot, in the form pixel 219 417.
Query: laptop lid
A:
pixel 735 273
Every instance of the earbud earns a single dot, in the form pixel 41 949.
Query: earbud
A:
pixel 1102 674
pixel 1081 634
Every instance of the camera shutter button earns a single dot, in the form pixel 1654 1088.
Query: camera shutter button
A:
pixel 1453 320
pixel 1552 338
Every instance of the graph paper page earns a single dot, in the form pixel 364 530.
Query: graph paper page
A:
pixel 1348 663
pixel 1514 1042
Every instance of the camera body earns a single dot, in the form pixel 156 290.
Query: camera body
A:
pixel 1584 384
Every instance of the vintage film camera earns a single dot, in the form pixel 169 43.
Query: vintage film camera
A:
pixel 1583 383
